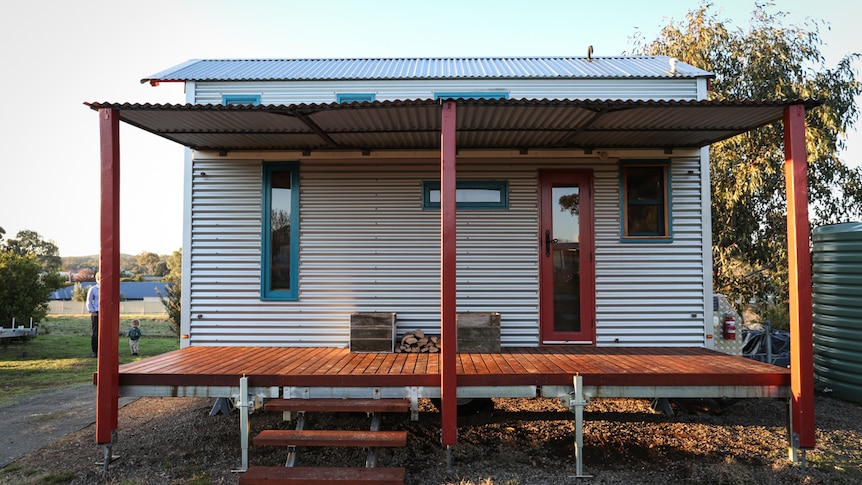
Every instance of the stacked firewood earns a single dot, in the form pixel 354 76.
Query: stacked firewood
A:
pixel 417 342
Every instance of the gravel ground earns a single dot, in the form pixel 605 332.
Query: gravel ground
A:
pixel 513 442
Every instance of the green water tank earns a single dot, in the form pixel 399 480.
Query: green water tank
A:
pixel 837 285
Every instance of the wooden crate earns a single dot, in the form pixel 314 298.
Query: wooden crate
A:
pixel 372 332
pixel 478 332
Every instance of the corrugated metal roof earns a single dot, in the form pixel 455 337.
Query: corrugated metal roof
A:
pixel 415 125
pixel 425 68
pixel 131 290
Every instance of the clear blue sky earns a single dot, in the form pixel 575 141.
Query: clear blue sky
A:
pixel 58 54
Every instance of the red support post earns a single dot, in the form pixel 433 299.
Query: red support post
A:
pixel 448 327
pixel 107 384
pixel 799 267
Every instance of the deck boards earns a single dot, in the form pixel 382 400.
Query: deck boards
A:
pixel 338 367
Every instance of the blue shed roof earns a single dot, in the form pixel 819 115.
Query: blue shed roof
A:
pixel 426 68
pixel 131 290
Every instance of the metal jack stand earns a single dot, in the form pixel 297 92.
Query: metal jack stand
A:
pixel 577 403
pixel 244 404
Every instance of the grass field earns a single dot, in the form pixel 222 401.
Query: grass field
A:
pixel 60 355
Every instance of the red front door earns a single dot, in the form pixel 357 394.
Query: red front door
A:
pixel 566 259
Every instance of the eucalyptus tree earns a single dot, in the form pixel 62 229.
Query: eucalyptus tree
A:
pixel 767 61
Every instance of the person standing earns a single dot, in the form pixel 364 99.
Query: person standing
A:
pixel 93 308
pixel 134 335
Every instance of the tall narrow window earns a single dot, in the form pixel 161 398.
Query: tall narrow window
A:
pixel 280 232
pixel 645 204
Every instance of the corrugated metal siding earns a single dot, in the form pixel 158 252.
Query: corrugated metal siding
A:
pixel 367 245
pixel 424 68
pixel 651 293
pixel 303 92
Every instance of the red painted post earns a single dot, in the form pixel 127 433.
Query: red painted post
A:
pixel 448 328
pixel 107 385
pixel 799 267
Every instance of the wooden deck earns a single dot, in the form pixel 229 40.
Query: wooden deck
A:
pixel 611 372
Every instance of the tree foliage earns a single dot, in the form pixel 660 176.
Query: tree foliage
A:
pixel 149 261
pixel 30 242
pixel 768 61
pixel 28 272
pixel 79 293
pixel 172 299
pixel 85 275
pixel 26 287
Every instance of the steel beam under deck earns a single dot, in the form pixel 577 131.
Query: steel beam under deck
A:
pixel 670 392
pixel 196 391
pixel 405 392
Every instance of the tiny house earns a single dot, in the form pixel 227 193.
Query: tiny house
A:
pixel 564 201
pixel 572 242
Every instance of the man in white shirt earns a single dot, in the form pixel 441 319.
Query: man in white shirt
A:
pixel 93 308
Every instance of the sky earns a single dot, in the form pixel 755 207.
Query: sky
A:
pixel 56 55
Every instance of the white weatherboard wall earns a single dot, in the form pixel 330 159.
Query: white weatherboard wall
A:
pixel 306 92
pixel 367 245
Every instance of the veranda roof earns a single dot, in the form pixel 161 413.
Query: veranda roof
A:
pixel 481 123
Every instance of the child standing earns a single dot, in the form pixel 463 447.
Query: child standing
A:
pixel 134 335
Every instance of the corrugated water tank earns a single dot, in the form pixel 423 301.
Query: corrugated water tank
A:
pixel 837 285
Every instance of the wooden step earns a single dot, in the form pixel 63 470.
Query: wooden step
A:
pixel 325 437
pixel 339 405
pixel 273 475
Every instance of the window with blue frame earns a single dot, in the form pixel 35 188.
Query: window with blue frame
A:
pixel 645 200
pixel 469 194
pixel 280 257
pixel 229 99
pixel 471 95
pixel 354 97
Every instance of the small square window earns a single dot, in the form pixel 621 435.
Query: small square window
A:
pixel 645 201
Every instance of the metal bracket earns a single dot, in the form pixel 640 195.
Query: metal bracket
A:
pixel 222 405
pixel 291 450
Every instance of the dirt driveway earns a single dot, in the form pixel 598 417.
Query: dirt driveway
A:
pixel 37 420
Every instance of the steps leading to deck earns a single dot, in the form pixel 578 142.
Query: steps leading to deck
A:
pixel 371 440
pixel 269 475
pixel 339 405
pixel 327 437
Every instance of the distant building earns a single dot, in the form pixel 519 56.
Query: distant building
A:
pixel 131 290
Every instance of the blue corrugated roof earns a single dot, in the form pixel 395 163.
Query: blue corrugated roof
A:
pixel 425 68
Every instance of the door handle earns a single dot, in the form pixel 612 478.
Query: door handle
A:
pixel 548 242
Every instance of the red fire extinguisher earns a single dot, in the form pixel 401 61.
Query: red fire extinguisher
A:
pixel 729 328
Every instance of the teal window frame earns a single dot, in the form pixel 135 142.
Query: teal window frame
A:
pixel 266 291
pixel 232 99
pixel 665 203
pixel 355 97
pixel 502 186
pixel 471 95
